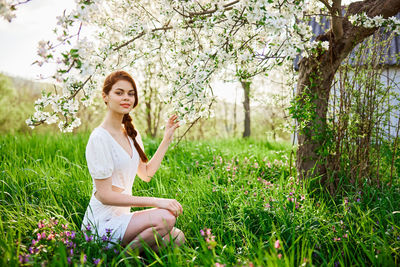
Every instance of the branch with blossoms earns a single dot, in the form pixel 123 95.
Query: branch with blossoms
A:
pixel 8 8
pixel 190 42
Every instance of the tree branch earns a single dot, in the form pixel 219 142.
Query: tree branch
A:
pixel 337 20
pixel 326 5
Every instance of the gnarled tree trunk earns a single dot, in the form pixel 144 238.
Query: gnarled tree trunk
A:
pixel 316 74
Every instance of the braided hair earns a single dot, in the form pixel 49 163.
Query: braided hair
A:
pixel 110 80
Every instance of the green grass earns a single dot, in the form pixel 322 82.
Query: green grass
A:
pixel 247 207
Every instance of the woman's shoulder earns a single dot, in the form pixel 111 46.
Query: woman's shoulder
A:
pixel 97 135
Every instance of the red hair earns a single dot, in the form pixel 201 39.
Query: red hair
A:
pixel 110 80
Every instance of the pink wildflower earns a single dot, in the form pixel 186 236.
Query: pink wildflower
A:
pixel 208 231
pixel 40 224
pixel 277 244
pixel 279 256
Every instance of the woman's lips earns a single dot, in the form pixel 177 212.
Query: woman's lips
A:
pixel 125 106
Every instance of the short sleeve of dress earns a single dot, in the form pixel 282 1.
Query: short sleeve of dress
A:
pixel 98 157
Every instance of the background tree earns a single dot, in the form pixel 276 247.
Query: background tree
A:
pixel 316 74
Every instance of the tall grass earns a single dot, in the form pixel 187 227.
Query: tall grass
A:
pixel 240 189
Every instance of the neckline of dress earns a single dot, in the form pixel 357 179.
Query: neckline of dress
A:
pixel 129 139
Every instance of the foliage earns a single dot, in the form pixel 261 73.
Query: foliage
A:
pixel 190 42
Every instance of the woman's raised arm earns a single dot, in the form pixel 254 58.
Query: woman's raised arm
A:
pixel 147 170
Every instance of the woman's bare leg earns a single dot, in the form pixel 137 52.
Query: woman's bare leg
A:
pixel 176 235
pixel 144 224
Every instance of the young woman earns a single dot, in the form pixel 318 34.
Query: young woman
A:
pixel 114 155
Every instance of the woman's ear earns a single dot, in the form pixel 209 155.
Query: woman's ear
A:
pixel 105 97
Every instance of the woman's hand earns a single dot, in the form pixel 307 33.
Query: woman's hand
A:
pixel 172 205
pixel 170 127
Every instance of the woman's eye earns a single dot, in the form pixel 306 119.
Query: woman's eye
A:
pixel 132 94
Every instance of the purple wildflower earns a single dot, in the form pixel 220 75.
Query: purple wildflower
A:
pixel 104 238
pixel 73 234
pixel 88 238
pixel 116 251
pixel 88 228
pixel 95 261
pixel 108 231
pixel 202 232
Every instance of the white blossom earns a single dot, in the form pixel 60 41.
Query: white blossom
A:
pixel 186 51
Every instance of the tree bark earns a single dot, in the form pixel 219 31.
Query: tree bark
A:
pixel 246 106
pixel 316 74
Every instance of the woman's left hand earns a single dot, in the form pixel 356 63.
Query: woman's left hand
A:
pixel 170 127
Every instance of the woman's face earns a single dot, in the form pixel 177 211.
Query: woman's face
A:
pixel 121 97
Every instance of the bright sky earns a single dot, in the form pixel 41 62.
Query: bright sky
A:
pixel 19 39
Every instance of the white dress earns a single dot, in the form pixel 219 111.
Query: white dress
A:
pixel 106 158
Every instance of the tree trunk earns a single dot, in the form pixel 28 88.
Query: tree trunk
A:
pixel 316 74
pixel 148 99
pixel 234 115
pixel 246 106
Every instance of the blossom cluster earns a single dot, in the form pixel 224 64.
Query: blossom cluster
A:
pixel 7 9
pixel 362 19
pixel 189 43
pixel 189 48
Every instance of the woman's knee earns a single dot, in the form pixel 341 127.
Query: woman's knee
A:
pixel 166 220
pixel 179 237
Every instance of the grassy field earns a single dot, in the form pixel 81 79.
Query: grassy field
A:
pixel 258 215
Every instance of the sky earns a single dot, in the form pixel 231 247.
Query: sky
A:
pixel 19 39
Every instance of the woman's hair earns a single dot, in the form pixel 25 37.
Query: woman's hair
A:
pixel 127 120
